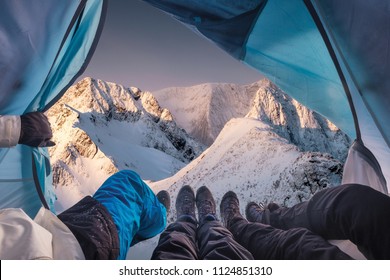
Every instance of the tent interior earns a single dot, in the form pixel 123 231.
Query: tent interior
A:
pixel 330 55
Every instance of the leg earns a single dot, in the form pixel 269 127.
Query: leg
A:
pixel 217 243
pixel 94 229
pixel 355 212
pixel 178 241
pixel 268 243
pixel 214 240
pixel 135 209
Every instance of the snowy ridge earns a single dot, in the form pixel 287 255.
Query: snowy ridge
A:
pixel 249 158
pixel 105 127
pixel 102 127
pixel 259 165
pixel 299 125
pixel 203 111
pixel 264 145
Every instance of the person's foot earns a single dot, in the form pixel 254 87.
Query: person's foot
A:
pixel 164 198
pixel 206 205
pixel 272 206
pixel 254 212
pixel 185 202
pixel 230 208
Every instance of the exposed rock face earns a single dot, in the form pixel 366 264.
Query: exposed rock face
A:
pixel 249 158
pixel 298 124
pixel 95 123
pixel 260 142
pixel 204 110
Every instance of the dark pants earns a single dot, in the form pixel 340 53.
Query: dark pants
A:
pixel 210 241
pixel 94 229
pixel 355 212
pixel 268 243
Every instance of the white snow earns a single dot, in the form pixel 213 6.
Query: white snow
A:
pixel 203 110
pixel 262 144
pixel 248 158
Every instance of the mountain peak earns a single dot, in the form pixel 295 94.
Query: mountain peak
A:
pixel 108 127
pixel 101 127
pixel 203 111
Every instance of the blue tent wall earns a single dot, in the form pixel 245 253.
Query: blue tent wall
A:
pixel 286 46
pixel 45 47
pixel 62 36
pixel 225 22
pixel 358 33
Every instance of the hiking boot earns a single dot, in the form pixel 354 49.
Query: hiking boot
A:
pixel 185 202
pixel 164 198
pixel 230 208
pixel 254 212
pixel 206 205
pixel 272 206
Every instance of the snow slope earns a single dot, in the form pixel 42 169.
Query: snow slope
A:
pixel 102 127
pixel 262 144
pixel 255 162
pixel 203 111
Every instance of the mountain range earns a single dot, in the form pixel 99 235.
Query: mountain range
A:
pixel 252 139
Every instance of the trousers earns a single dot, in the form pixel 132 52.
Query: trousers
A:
pixel 355 212
pixel 122 212
pixel 268 243
pixel 242 240
pixel 184 240
pixel 134 208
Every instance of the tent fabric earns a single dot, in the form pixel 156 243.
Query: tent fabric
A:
pixel 330 55
pixel 225 22
pixel 292 52
pixel 363 167
pixel 363 58
pixel 9 130
pixel 45 46
pixel 45 237
pixel 360 29
pixel 21 238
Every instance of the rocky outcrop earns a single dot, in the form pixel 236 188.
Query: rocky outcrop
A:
pixel 96 122
pixel 203 110
pixel 296 123
pixel 262 144
pixel 251 159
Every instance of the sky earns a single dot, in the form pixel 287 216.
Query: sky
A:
pixel 143 47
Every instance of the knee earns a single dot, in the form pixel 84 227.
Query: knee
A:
pixel 366 198
pixel 128 173
pixel 125 183
pixel 130 179
pixel 361 193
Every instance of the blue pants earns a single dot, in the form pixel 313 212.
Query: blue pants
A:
pixel 134 208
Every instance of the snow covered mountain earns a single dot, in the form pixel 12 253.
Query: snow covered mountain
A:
pixel 257 141
pixel 101 127
pixel 203 111
pixel 249 158
pixel 264 145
